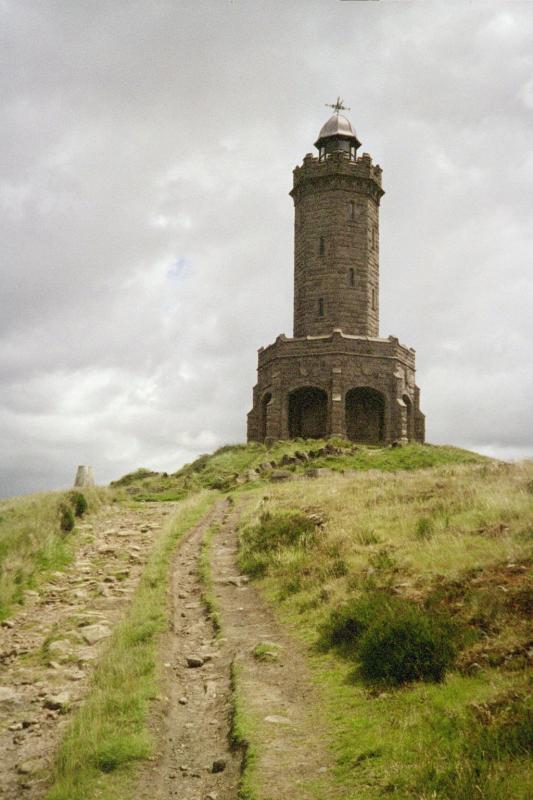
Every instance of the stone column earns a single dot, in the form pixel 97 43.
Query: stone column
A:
pixel 337 411
pixel 84 476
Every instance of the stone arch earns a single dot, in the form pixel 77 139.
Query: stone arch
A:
pixel 263 416
pixel 308 413
pixel 409 418
pixel 365 415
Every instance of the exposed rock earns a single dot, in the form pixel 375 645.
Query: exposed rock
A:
pixel 281 475
pixel 317 472
pixel 9 698
pixel 31 766
pixel 219 765
pixel 276 719
pixel 95 633
pixel 193 662
pixel 61 648
pixel 58 702
pixel 8 623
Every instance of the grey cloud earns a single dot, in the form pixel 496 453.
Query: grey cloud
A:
pixel 135 136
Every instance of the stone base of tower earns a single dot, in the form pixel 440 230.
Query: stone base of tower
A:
pixel 355 387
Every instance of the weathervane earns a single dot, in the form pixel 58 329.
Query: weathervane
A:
pixel 338 106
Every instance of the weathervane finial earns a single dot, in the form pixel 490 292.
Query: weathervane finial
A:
pixel 338 106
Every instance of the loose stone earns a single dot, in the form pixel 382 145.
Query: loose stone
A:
pixel 193 662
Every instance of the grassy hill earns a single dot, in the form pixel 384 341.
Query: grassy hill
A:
pixel 373 570
pixel 232 465
pixel 404 571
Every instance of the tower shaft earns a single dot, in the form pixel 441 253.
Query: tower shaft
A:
pixel 336 245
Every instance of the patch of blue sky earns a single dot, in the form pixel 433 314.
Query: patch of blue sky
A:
pixel 178 269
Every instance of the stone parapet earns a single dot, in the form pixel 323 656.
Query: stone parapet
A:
pixel 337 344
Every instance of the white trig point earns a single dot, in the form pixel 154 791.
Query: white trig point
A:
pixel 84 476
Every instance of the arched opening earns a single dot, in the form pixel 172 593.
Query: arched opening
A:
pixel 365 415
pixel 263 418
pixel 410 421
pixel 308 411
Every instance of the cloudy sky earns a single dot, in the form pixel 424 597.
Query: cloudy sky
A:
pixel 146 230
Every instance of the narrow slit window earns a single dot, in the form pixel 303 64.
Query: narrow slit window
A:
pixel 352 276
pixel 373 299
pixel 321 246
pixel 352 209
pixel 321 307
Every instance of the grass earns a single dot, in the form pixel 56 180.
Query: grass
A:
pixel 241 736
pixel 33 543
pixel 228 467
pixel 109 732
pixel 453 542
pixel 206 578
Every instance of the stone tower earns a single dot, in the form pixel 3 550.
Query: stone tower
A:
pixel 336 376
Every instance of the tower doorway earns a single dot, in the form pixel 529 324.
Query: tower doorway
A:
pixel 365 415
pixel 308 413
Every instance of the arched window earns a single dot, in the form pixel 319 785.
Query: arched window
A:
pixel 321 246
pixel 351 276
pixel 321 307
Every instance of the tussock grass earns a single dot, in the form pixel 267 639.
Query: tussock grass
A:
pixel 242 736
pixel 453 542
pixel 109 732
pixel 34 541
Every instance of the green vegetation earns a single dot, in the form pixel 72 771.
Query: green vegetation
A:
pixel 79 503
pixel 394 640
pixel 241 735
pixel 33 541
pixel 109 733
pixel 237 465
pixel 412 591
pixel 66 518
pixel 266 651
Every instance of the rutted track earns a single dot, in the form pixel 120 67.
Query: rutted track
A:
pixel 194 715
pixel 192 718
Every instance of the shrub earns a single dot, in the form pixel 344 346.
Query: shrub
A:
pixel 284 529
pixel 407 646
pixel 394 640
pixel 66 518
pixel 79 503
pixel 347 624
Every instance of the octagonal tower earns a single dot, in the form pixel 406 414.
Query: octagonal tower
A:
pixel 336 376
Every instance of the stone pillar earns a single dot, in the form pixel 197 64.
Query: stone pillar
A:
pixel 337 411
pixel 84 476
pixel 275 410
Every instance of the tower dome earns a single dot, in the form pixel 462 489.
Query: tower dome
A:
pixel 337 134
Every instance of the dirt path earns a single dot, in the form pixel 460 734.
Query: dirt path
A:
pixel 194 715
pixel 193 718
pixel 289 734
pixel 48 647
